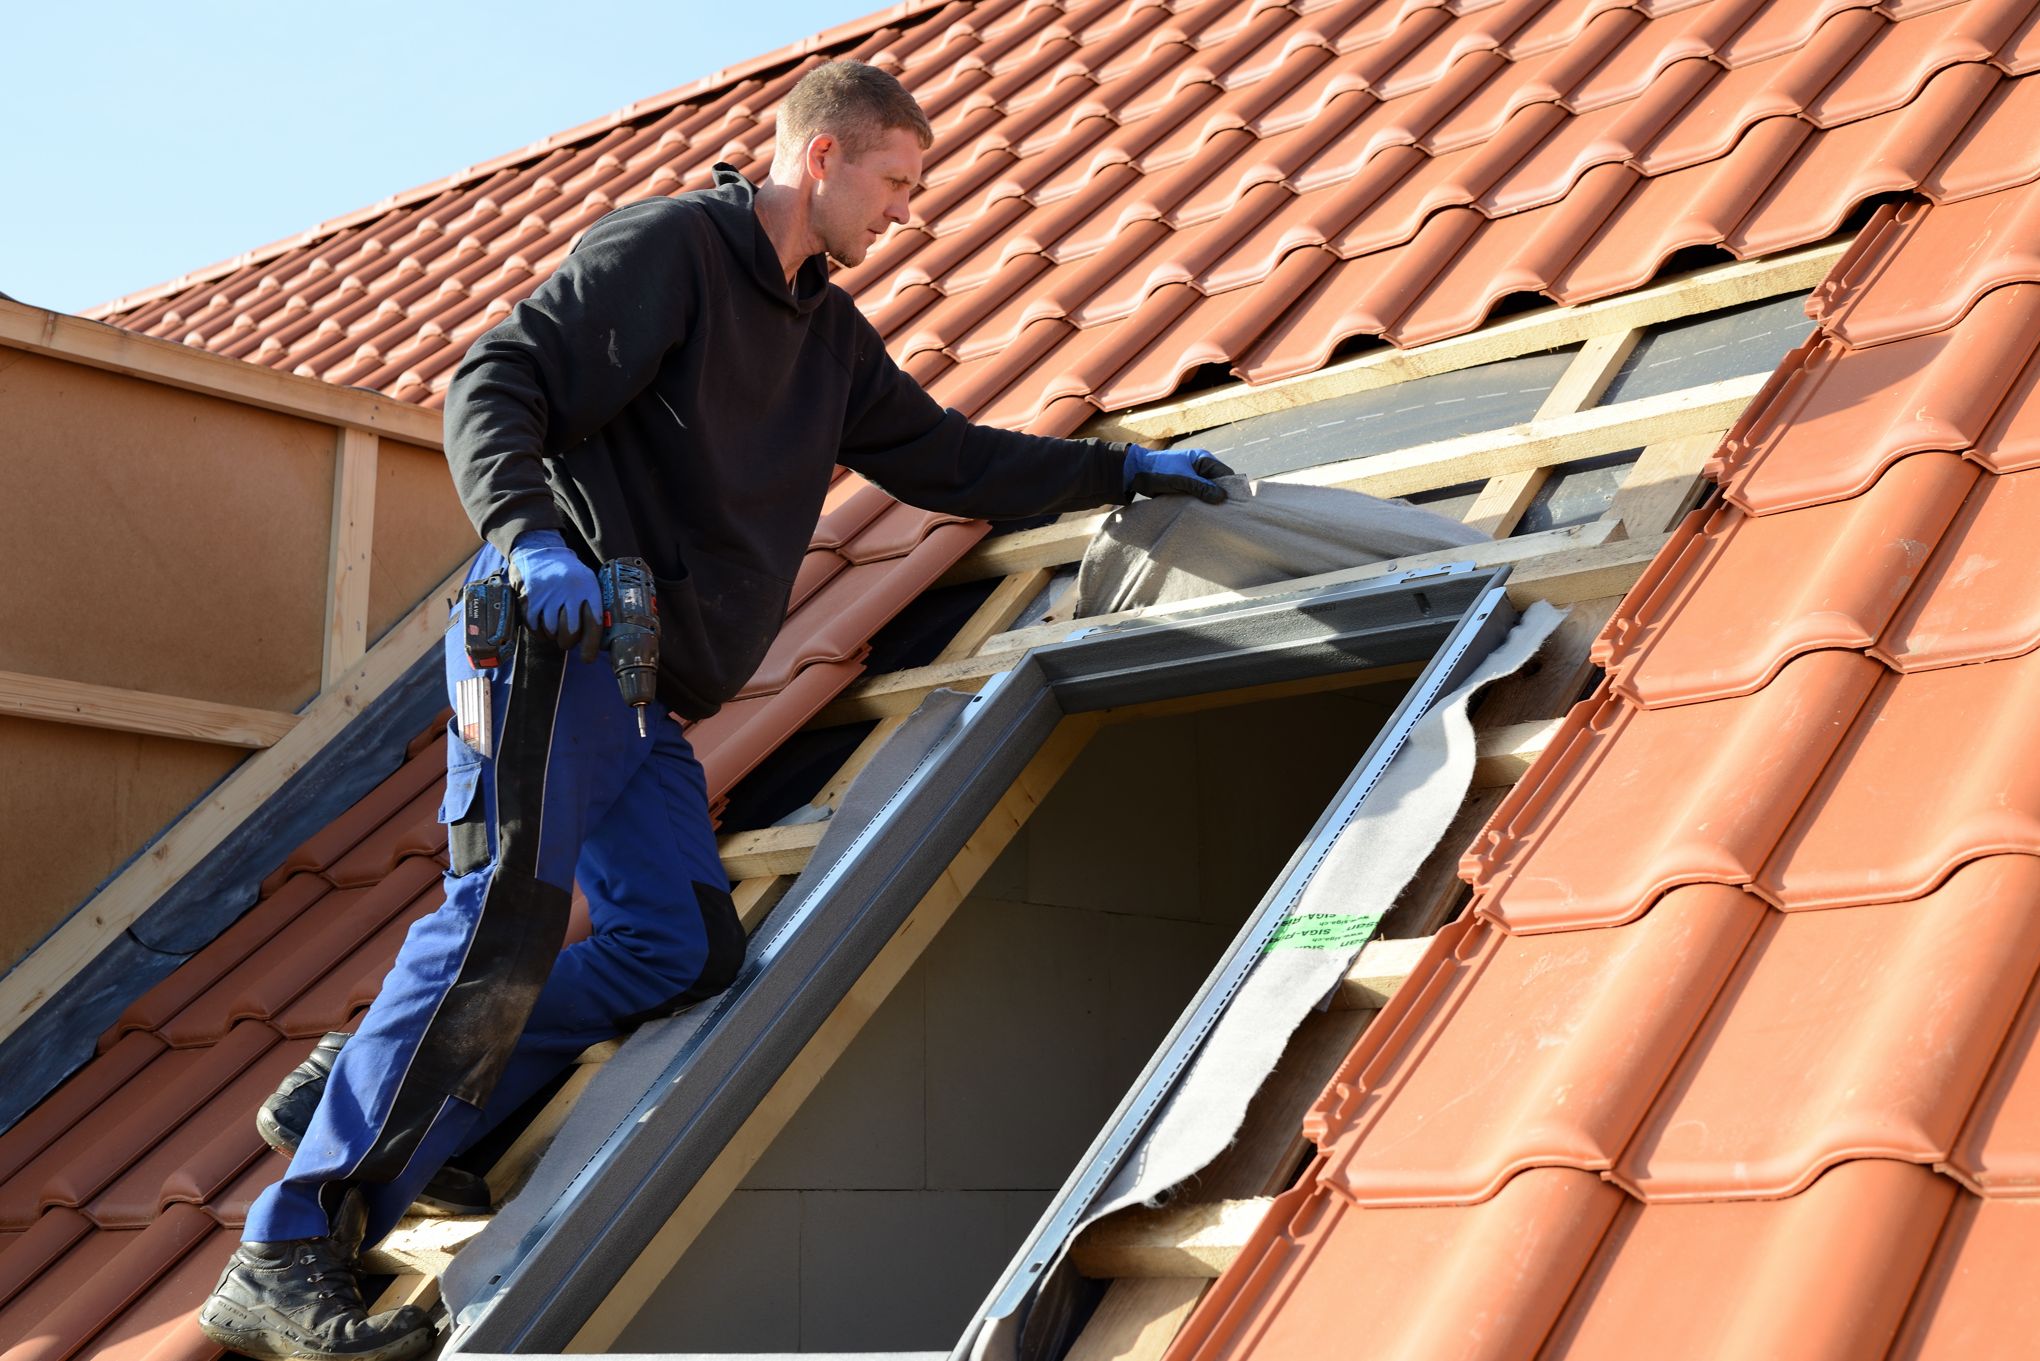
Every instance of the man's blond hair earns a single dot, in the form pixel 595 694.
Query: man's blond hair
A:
pixel 852 101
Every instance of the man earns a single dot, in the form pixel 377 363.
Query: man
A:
pixel 677 391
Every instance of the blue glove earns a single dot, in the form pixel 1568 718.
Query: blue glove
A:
pixel 561 597
pixel 1178 472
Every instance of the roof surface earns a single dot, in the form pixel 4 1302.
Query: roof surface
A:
pixel 1124 191
pixel 1734 1054
pixel 122 1193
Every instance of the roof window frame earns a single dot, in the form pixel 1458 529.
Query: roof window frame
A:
pixel 533 1286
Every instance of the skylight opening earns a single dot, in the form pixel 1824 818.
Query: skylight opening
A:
pixel 888 1206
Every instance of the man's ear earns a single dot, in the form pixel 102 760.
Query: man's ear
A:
pixel 823 151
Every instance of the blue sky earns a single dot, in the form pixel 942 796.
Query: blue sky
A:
pixel 143 140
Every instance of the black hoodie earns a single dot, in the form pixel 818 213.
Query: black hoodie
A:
pixel 664 395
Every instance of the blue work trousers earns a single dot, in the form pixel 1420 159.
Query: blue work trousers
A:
pixel 482 1007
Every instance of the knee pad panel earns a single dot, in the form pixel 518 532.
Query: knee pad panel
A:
pixel 724 935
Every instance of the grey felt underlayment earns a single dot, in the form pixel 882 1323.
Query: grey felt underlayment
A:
pixel 1179 547
pixel 1347 895
pixel 1694 351
pixel 1673 355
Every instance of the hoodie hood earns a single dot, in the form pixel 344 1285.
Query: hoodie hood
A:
pixel 733 208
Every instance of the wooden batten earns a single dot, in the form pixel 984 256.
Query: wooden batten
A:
pixel 1379 972
pixel 1537 444
pixel 106 706
pixel 1138 1319
pixel 350 540
pixel 1198 1240
pixel 1502 755
pixel 769 851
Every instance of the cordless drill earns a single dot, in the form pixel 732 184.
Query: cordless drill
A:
pixel 630 630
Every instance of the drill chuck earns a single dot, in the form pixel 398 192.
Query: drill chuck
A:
pixel 630 630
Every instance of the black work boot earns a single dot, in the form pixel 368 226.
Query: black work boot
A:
pixel 287 1114
pixel 302 1298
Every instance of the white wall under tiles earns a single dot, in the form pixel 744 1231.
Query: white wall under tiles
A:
pixel 893 1199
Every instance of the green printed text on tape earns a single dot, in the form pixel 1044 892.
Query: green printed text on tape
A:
pixel 1324 931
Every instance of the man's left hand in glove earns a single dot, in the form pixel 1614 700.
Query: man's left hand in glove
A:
pixel 1175 472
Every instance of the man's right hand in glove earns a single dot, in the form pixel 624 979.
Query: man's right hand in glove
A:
pixel 1174 472
pixel 561 597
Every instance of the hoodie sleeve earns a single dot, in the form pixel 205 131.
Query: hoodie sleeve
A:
pixel 931 456
pixel 566 359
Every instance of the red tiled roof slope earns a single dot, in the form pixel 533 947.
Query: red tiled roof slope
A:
pixel 123 1192
pixel 1122 191
pixel 1734 1053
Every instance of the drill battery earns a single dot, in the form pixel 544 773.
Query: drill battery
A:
pixel 488 621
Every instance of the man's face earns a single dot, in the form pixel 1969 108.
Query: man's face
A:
pixel 858 198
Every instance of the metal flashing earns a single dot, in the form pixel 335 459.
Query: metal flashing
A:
pixel 1224 647
pixel 529 1283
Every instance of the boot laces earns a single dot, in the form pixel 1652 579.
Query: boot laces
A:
pixel 324 1269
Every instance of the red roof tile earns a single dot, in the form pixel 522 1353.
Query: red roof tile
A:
pixel 421 772
pixel 1815 1052
pixel 283 901
pixel 1466 1282
pixel 68 1108
pixel 1807 1277
pixel 31 1314
pixel 1112 178
pixel 1887 299
pixel 1972 1302
pixel 1949 811
pixel 134 1299
pixel 1833 418
pixel 1972 604
pixel 1833 576
pixel 1561 850
pixel 1998 1153
pixel 1822 1126
pixel 1993 153
pixel 1505 1087
pixel 276 975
